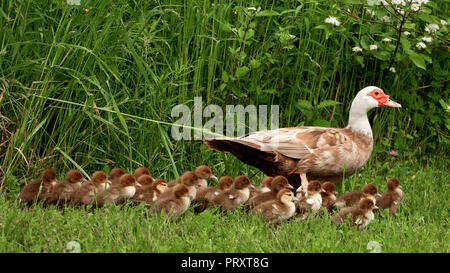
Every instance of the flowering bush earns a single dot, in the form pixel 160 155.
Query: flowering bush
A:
pixel 389 28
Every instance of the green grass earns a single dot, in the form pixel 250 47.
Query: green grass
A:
pixel 92 87
pixel 420 225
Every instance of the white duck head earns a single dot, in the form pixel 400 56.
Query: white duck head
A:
pixel 366 99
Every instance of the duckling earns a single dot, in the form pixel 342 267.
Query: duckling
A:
pixel 39 188
pixel 328 195
pixel 277 184
pixel 235 196
pixel 120 193
pixel 87 193
pixel 391 198
pixel 279 209
pixel 145 180
pixel 206 195
pixel 190 179
pixel 311 201
pixel 174 205
pixel 149 193
pixel 141 171
pixel 352 198
pixel 204 172
pixel 264 187
pixel 61 192
pixel 114 176
pixel 361 215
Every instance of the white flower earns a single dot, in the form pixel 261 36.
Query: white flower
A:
pixel 427 39
pixel 356 49
pixel 443 22
pixel 417 4
pixel 431 28
pixel 332 20
pixel 398 2
pixel 421 45
pixel 370 12
pixel 251 8
pixel 385 19
pixel 422 2
pixel 407 33
pixel 415 7
pixel 291 36
pixel 387 39
pixel 373 47
pixel 73 2
pixel 392 69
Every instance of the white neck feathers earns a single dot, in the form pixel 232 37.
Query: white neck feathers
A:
pixel 358 120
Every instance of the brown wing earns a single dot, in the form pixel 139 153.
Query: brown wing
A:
pixel 269 210
pixel 292 142
pixel 261 198
pixel 166 204
pixel 30 191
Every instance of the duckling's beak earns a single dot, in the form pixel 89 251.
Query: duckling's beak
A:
pixel 138 184
pixel 212 176
pixel 290 187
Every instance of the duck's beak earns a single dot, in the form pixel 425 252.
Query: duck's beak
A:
pixel 386 101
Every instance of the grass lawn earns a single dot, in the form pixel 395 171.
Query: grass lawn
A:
pixel 420 225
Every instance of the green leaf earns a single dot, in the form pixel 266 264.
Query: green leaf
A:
pixel 417 59
pixel 225 77
pixel 241 71
pixel 428 18
pixel 242 56
pixel 406 45
pixel 255 63
pixel 353 2
pixel 360 60
pixel 321 123
pixel 304 104
pixel 382 55
pixel 327 103
pixel 364 43
pixel 270 91
pixel 327 30
pixel 427 58
pixel 267 12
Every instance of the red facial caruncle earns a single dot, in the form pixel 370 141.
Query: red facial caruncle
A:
pixel 383 99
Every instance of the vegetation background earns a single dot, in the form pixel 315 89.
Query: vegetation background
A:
pixel 92 86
